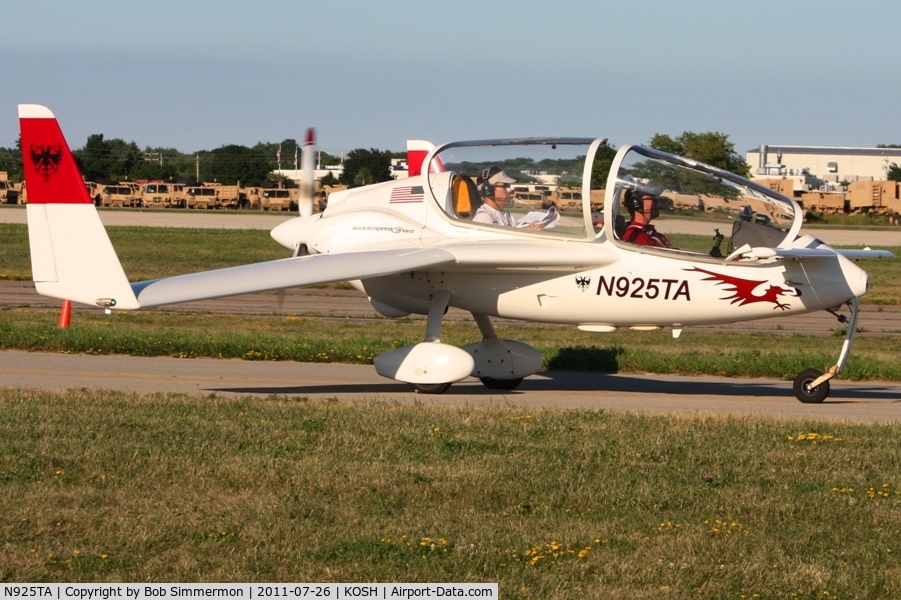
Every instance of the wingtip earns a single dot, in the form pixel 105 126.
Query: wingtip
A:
pixel 34 111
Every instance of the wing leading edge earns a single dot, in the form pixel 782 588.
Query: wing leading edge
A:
pixel 285 273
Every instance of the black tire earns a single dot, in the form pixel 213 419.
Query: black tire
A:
pixel 500 384
pixel 805 393
pixel 430 388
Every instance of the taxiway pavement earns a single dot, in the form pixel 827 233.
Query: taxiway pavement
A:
pixel 655 394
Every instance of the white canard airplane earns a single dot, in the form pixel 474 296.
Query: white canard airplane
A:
pixel 413 246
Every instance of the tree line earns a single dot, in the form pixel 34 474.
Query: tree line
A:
pixel 115 159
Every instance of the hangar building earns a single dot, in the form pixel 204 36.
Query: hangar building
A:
pixel 828 164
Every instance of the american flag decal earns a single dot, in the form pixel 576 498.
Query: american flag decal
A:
pixel 408 193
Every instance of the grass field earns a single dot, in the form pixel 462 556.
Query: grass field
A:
pixel 152 252
pixel 550 504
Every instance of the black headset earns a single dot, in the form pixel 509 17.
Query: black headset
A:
pixel 486 189
pixel 632 201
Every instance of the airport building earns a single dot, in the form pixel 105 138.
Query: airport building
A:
pixel 830 165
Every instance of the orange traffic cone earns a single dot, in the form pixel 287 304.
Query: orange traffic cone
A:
pixel 65 315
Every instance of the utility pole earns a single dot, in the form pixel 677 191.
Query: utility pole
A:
pixel 197 167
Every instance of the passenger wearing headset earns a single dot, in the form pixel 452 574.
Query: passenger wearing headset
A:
pixel 642 207
pixel 496 194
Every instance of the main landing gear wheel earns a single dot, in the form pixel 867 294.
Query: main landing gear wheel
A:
pixel 430 388
pixel 500 384
pixel 807 394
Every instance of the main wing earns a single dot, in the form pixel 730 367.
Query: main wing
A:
pixel 285 273
pixel 73 259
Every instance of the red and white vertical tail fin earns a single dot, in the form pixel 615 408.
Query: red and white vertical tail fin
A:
pixel 417 150
pixel 71 255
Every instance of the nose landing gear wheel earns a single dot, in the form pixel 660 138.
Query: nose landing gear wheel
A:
pixel 430 388
pixel 500 384
pixel 807 394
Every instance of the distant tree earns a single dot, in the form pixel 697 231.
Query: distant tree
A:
pixel 603 160
pixel 150 169
pixel 96 158
pixel 163 163
pixel 102 159
pixel 363 167
pixel 230 164
pixel 328 179
pixel 127 156
pixel 712 147
pixel 11 161
pixel 894 172
pixel 270 151
pixel 665 143
pixel 327 160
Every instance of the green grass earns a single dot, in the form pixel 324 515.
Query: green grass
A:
pixel 190 335
pixel 104 487
pixel 841 220
pixel 152 252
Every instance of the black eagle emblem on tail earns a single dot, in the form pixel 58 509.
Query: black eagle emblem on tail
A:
pixel 46 160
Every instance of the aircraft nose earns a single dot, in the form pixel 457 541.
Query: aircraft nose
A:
pixel 290 233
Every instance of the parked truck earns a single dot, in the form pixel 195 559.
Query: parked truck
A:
pixel 875 197
pixel 158 194
pixel 567 198
pixel 228 196
pixel 118 196
pixel 9 192
pixel 201 197
pixel 824 202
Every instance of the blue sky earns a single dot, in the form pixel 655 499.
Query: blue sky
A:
pixel 198 74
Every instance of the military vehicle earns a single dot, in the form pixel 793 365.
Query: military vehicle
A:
pixel 201 197
pixel 157 194
pixel 118 196
pixel 9 192
pixel 875 197
pixel 527 199
pixel 566 198
pixel 279 199
pixel 227 196
pixel 824 202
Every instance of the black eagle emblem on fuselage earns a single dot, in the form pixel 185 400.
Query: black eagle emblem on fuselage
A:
pixel 583 281
pixel 46 160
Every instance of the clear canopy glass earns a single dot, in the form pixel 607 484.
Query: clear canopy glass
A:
pixel 533 186
pixel 574 188
pixel 756 215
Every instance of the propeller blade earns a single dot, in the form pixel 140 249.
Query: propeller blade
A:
pixel 307 177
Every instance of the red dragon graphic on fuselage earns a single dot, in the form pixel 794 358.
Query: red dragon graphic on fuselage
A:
pixel 742 289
